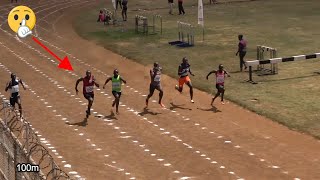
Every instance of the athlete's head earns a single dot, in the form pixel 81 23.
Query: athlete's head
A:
pixel 13 76
pixel 184 60
pixel 240 37
pixel 116 72
pixel 220 67
pixel 88 73
pixel 156 65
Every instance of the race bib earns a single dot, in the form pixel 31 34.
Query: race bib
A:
pixel 15 89
pixel 220 79
pixel 116 85
pixel 89 89
pixel 157 78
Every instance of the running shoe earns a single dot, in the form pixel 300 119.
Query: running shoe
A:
pixel 192 100
pixel 162 105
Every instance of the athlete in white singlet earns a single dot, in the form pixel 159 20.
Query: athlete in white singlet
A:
pixel 13 85
pixel 220 77
pixel 155 84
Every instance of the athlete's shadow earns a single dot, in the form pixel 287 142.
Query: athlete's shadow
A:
pixel 146 111
pixel 174 106
pixel 82 123
pixel 213 109
pixel 111 116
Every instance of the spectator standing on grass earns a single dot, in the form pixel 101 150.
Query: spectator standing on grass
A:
pixel 242 50
pixel 181 9
pixel 124 9
pixel 118 2
pixel 170 6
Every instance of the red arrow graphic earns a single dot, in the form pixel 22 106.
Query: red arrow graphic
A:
pixel 64 64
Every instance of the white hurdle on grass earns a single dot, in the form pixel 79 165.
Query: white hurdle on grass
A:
pixel 278 60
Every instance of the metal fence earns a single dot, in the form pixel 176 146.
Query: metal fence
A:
pixel 20 144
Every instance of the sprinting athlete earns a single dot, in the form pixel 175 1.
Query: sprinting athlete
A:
pixel 183 71
pixel 15 95
pixel 220 76
pixel 116 88
pixel 88 86
pixel 155 83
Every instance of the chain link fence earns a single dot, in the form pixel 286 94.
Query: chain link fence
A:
pixel 20 144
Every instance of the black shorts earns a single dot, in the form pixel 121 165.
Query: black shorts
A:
pixel 115 94
pixel 154 87
pixel 218 86
pixel 88 96
pixel 14 99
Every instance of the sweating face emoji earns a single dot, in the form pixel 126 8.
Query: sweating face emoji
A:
pixel 22 20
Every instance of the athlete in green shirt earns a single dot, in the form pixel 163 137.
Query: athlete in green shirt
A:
pixel 116 88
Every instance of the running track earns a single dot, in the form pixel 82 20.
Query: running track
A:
pixel 183 141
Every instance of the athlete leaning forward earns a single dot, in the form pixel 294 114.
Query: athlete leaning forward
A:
pixel 88 86
pixel 183 71
pixel 13 85
pixel 220 78
pixel 116 88
pixel 155 84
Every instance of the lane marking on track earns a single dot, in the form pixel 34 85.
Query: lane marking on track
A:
pixel 54 151
pixel 39 135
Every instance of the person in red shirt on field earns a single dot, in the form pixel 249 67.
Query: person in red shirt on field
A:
pixel 220 76
pixel 88 86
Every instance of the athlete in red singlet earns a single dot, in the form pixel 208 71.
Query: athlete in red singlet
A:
pixel 88 86
pixel 220 76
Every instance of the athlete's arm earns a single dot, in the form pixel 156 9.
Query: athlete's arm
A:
pixel 96 84
pixel 22 84
pixel 151 75
pixel 214 71
pixel 225 72
pixel 109 79
pixel 7 86
pixel 123 80
pixel 78 81
pixel 191 72
pixel 180 70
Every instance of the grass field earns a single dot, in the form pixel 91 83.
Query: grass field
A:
pixel 290 98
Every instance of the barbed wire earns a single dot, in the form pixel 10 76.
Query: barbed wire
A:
pixel 21 137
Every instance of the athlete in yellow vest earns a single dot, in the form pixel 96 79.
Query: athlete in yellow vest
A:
pixel 116 88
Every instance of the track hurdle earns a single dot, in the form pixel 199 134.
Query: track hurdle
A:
pixel 185 34
pixel 260 56
pixel 154 23
pixel 278 60
pixel 141 21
